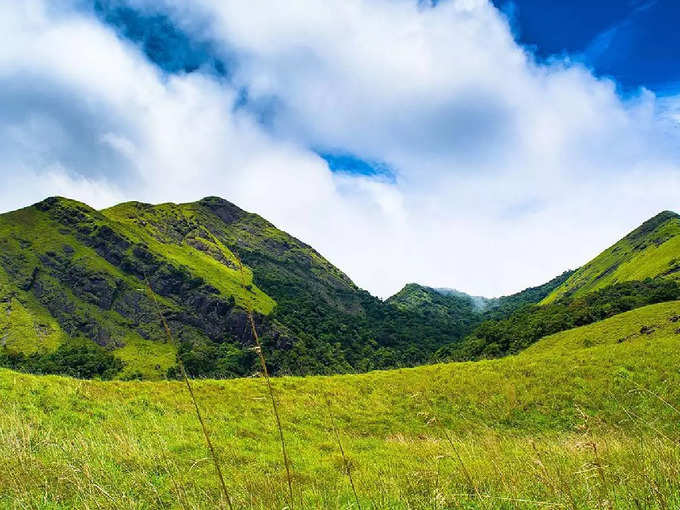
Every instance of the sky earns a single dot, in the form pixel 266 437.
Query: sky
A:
pixel 467 144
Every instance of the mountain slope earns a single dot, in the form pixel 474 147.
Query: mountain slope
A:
pixel 583 419
pixel 462 312
pixel 651 250
pixel 71 275
pixel 459 309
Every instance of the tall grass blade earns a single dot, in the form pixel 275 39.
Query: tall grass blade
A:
pixel 263 365
pixel 275 408
pixel 183 371
pixel 455 451
pixel 348 468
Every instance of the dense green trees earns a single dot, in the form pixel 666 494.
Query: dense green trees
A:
pixel 498 337
pixel 82 360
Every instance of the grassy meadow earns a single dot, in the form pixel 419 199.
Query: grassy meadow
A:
pixel 587 418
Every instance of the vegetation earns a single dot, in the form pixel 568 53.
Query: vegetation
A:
pixel 583 416
pixel 68 271
pixel 499 337
pixel 84 360
pixel 652 250
pixel 587 418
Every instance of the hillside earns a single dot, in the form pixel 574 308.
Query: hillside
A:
pixel 651 250
pixel 583 419
pixel 77 291
pixel 642 268
pixel 73 278
pixel 462 312
pixel 457 308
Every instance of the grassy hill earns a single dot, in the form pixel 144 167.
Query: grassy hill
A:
pixel 652 250
pixel 641 269
pixel 587 418
pixel 73 287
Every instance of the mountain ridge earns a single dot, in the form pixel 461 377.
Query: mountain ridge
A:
pixel 651 250
pixel 72 274
pixel 73 283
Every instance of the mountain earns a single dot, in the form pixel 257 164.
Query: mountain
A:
pixel 462 311
pixel 651 250
pixel 458 308
pixel 78 293
pixel 72 277
pixel 642 268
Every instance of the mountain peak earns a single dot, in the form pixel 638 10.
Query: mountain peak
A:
pixel 649 251
pixel 56 201
pixel 651 225
pixel 225 210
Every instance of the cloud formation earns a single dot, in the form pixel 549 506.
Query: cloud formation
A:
pixel 506 171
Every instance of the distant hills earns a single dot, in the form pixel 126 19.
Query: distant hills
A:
pixel 74 295
pixel 641 269
pixel 457 305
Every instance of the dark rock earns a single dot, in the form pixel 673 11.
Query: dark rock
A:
pixel 28 283
pixel 647 330
pixel 224 210
pixel 675 318
pixel 91 286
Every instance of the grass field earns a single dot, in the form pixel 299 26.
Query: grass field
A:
pixel 587 418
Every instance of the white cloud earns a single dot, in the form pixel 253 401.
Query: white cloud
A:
pixel 507 171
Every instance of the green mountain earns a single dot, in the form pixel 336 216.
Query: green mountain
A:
pixel 651 250
pixel 642 268
pixel 72 277
pixel 463 311
pixel 458 308
pixel 79 287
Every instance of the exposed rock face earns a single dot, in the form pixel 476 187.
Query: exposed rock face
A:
pixel 224 210
pixel 92 277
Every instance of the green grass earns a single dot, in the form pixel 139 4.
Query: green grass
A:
pixel 649 251
pixel 144 223
pixel 148 359
pixel 24 325
pixel 581 420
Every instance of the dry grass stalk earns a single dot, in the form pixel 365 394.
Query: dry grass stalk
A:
pixel 348 467
pixel 449 440
pixel 265 371
pixel 183 371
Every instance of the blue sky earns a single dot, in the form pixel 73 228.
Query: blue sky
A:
pixel 463 144
pixel 637 42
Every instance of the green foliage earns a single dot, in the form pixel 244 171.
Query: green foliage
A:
pixel 561 425
pixel 214 361
pixel 499 337
pixel 83 360
pixel 380 336
pixel 652 250
pixel 68 271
